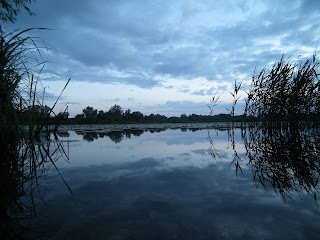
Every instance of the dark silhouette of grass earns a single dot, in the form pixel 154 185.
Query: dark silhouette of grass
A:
pixel 285 92
pixel 283 144
pixel 26 150
pixel 284 157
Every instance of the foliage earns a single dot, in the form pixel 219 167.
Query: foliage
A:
pixel 286 91
pixel 283 144
pixel 116 109
pixel 284 157
pixel 116 114
pixel 27 149
pixel 25 153
pixel 10 9
pixel 89 112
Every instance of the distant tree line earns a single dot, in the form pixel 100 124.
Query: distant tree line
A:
pixel 284 92
pixel 116 114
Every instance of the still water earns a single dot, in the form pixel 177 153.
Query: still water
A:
pixel 188 183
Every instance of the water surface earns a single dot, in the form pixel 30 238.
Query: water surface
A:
pixel 166 184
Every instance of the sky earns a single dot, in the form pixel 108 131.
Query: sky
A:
pixel 163 56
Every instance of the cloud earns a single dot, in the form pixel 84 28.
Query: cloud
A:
pixel 47 96
pixel 208 92
pixel 111 42
pixel 176 108
pixel 70 103
pixel 113 100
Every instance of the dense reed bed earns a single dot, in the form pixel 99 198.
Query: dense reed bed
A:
pixel 26 150
pixel 287 91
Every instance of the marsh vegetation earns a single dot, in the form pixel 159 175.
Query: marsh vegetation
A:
pixel 26 150
pixel 287 91
pixel 278 129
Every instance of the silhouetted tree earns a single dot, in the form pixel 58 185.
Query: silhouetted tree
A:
pixel 116 112
pixel 80 116
pixel 136 116
pixel 127 114
pixel 156 118
pixel 90 113
pixel 100 114
pixel 183 116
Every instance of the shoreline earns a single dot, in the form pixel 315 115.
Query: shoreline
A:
pixel 145 126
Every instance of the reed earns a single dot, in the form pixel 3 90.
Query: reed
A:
pixel 213 102
pixel 285 92
pixel 282 145
pixel 284 158
pixel 235 97
pixel 26 149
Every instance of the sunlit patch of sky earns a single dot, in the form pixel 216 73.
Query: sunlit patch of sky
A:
pixel 165 57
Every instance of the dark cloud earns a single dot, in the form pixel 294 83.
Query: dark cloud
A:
pixel 191 61
pixel 205 92
pixel 115 34
pixel 113 100
pixel 139 42
pixel 47 96
pixel 176 108
pixel 310 7
pixel 70 103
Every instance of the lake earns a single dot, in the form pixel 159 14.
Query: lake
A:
pixel 175 182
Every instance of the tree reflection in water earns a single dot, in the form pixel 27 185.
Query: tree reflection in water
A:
pixel 284 157
pixel 115 136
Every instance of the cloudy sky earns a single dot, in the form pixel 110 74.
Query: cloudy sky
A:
pixel 162 56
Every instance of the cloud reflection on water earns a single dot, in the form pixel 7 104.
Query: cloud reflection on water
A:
pixel 171 148
pixel 166 185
